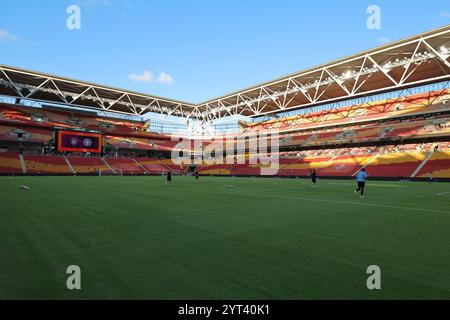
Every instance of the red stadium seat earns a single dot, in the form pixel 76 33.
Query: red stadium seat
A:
pixel 10 163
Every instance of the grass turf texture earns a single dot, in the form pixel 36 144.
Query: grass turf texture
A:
pixel 135 238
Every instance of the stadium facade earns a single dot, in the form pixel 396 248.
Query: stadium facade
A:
pixel 386 110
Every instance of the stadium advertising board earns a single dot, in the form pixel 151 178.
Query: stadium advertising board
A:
pixel 72 141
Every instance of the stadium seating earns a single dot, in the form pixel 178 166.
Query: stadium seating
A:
pixel 140 143
pixel 438 165
pixel 370 133
pixel 46 165
pixel 395 165
pixel 371 124
pixel 217 170
pixel 128 135
pixel 381 110
pixel 399 161
pixel 30 116
pixel 345 166
pixel 394 161
pixel 89 165
pixel 24 134
pixel 158 166
pixel 302 166
pixel 170 166
pixel 127 166
pixel 10 163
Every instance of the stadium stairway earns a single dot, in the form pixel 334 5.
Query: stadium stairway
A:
pixel 141 166
pixel 70 165
pixel 127 166
pixel 396 165
pixel 399 161
pixel 344 166
pixel 366 165
pixel 23 164
pixel 87 165
pixel 152 166
pixel 424 162
pixel 109 166
pixel 438 165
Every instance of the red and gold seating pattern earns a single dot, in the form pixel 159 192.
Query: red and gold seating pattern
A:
pixel 384 162
pixel 158 166
pixel 140 143
pixel 132 135
pixel 43 164
pixel 153 166
pixel 10 163
pixel 25 124
pixel 127 166
pixel 29 116
pixel 438 165
pixel 371 133
pixel 396 165
pixel 380 110
pixel 25 134
pixel 89 165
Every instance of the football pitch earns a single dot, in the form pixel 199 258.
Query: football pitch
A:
pixel 136 238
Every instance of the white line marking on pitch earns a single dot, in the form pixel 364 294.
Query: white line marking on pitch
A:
pixel 442 194
pixel 353 203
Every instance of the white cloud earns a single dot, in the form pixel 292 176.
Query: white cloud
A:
pixel 444 15
pixel 165 78
pixel 6 36
pixel 384 40
pixel 146 77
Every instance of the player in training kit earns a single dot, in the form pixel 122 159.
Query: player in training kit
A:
pixel 169 178
pixel 361 178
pixel 313 176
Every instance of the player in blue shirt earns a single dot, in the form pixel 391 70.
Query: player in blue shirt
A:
pixel 361 178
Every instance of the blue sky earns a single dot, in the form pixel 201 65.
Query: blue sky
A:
pixel 194 50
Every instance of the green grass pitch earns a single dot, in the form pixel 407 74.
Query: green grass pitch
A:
pixel 135 238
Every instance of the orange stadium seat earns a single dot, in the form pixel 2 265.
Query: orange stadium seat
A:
pixel 46 165
pixel 344 166
pixel 25 134
pixel 153 166
pixel 89 165
pixel 396 165
pixel 438 165
pixel 127 166
pixel 381 110
pixel 10 163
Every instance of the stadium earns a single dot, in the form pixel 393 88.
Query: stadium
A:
pixel 84 169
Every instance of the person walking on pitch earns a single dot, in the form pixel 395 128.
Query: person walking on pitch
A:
pixel 361 179
pixel 169 178
pixel 313 176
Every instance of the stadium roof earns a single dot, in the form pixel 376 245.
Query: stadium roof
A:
pixel 414 61
pixel 26 84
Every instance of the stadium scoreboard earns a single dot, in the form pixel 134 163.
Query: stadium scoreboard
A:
pixel 75 141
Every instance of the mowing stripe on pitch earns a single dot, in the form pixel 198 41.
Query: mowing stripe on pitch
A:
pixel 427 211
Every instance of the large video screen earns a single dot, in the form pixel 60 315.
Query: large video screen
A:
pixel 72 141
